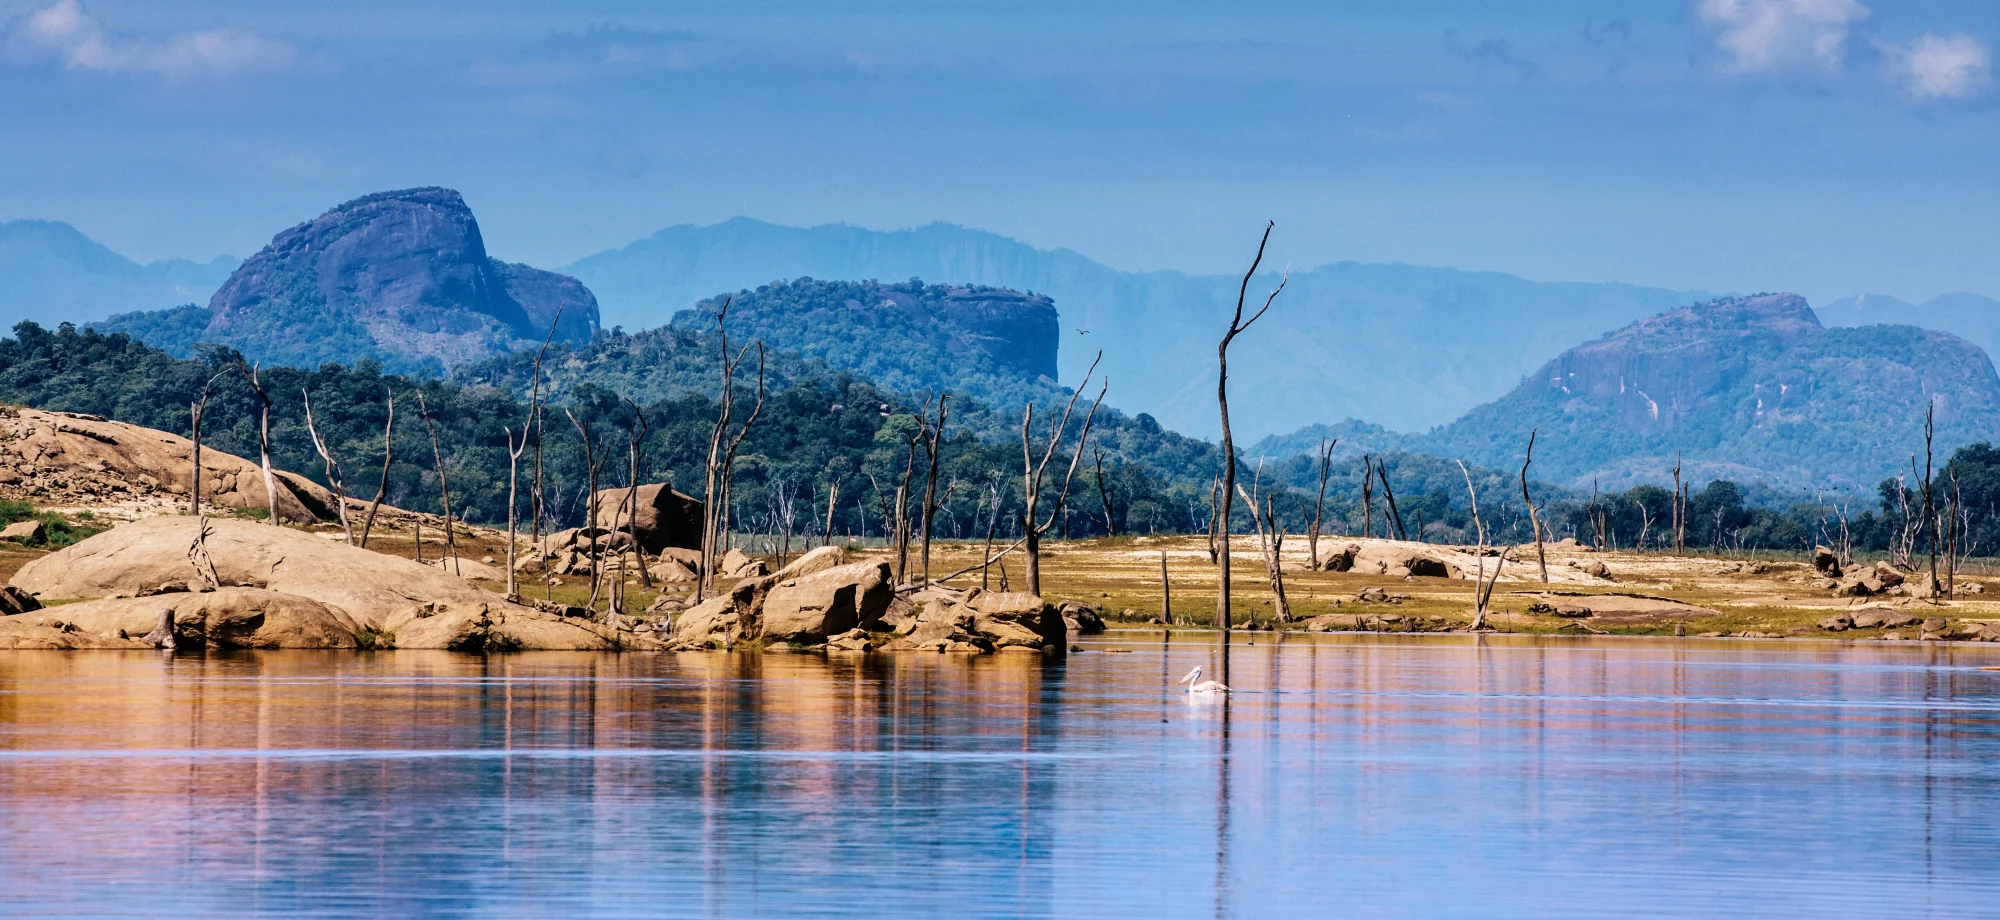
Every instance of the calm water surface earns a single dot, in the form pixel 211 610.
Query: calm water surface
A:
pixel 1366 776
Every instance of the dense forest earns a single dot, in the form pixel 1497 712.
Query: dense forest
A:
pixel 821 430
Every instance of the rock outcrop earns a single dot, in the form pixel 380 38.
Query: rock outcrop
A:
pixel 150 556
pixel 664 518
pixel 225 618
pixel 68 459
pixel 812 607
pixel 400 276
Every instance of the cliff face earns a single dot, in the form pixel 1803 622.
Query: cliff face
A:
pixel 1752 387
pixel 402 277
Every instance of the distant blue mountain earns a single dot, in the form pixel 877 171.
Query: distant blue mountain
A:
pixel 1403 346
pixel 51 273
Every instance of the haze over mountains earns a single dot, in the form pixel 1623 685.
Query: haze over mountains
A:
pixel 50 273
pixel 1406 346
pixel 1388 357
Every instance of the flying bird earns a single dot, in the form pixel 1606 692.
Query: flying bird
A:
pixel 1083 332
pixel 1197 685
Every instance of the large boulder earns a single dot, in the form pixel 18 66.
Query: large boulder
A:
pixel 817 560
pixel 735 564
pixel 504 628
pixel 1397 560
pixel 225 618
pixel 1081 618
pixel 141 557
pixel 658 519
pixel 723 620
pixel 812 607
pixel 984 621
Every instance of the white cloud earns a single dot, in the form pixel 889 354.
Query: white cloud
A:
pixel 1944 67
pixel 65 30
pixel 1774 35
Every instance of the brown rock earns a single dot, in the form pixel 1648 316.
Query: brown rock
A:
pixel 1826 562
pixel 813 607
pixel 1017 619
pixel 24 532
pixel 817 560
pixel 14 600
pixel 1080 618
pixel 139 556
pixel 664 518
pixel 224 618
pixel 1839 622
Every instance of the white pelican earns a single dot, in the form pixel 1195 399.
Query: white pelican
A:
pixel 1197 685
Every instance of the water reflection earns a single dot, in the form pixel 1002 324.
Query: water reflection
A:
pixel 1500 776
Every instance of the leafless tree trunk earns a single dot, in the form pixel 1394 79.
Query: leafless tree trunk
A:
pixel 537 509
pixel 196 410
pixel 1270 541
pixel 1482 586
pixel 1319 504
pixel 1368 497
pixel 1104 495
pixel 638 438
pixel 513 501
pixel 1930 504
pixel 1680 510
pixel 993 524
pixel 1395 516
pixel 263 438
pixel 333 475
pixel 1237 324
pixel 1534 513
pixel 832 501
pixel 933 449
pixel 444 488
pixel 388 456
pixel 1214 509
pixel 722 447
pixel 593 462
pixel 1166 593
pixel 1031 475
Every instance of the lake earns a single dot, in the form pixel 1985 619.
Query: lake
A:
pixel 1355 775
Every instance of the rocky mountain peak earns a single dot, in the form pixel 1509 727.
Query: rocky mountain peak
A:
pixel 401 276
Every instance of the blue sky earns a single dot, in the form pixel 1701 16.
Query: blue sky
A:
pixel 1824 146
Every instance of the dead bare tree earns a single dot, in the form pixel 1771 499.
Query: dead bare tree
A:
pixel 1319 503
pixel 1032 527
pixel 638 448
pixel 933 438
pixel 1166 593
pixel 1368 497
pixel 196 410
pixel 832 501
pixel 1680 509
pixel 1930 504
pixel 533 423
pixel 514 452
pixel 1482 586
pixel 388 456
pixel 1270 543
pixel 1237 325
pixel 593 463
pixel 444 487
pixel 1104 496
pixel 333 476
pixel 1214 508
pixel 1395 515
pixel 1534 513
pixel 263 437
pixel 722 447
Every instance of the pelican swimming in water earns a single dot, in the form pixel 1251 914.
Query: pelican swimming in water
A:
pixel 1197 685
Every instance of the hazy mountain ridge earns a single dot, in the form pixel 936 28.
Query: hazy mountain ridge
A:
pixel 1405 346
pixel 53 273
pixel 1753 389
